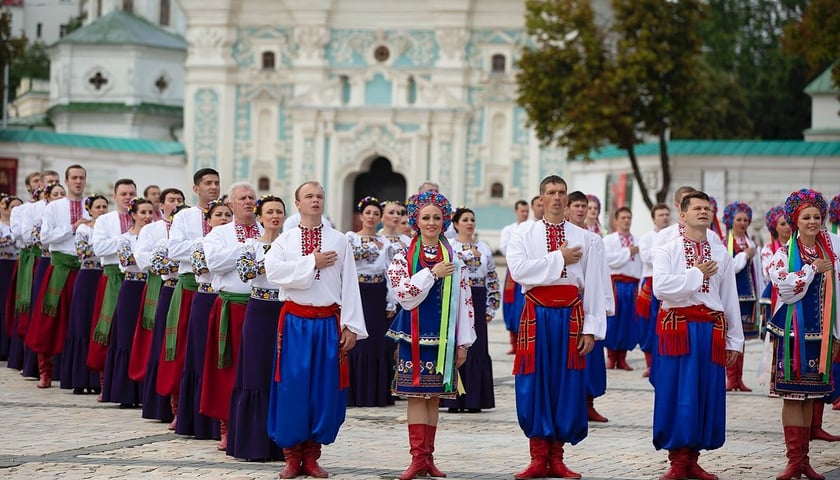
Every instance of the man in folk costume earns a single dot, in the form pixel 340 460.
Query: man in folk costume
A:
pixel 48 326
pixel 737 217
pixel 668 234
pixel 319 323
pixel 562 272
pixel 512 297
pixel 625 270
pixel 187 226
pixel 596 368
pixel 105 239
pixel 699 329
pixel 647 305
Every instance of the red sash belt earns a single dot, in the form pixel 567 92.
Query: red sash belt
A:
pixel 510 289
pixel 645 298
pixel 552 296
pixel 313 312
pixel 672 328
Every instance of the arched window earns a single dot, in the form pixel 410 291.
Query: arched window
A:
pixel 411 95
pixel 268 60
pixel 497 190
pixel 263 184
pixel 345 89
pixel 497 63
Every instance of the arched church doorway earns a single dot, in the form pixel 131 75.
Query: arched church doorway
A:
pixel 379 181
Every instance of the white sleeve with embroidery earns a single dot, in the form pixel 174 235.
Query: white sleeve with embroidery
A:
pixel 409 290
pixel 792 286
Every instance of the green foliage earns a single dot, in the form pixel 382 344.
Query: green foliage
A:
pixel 34 63
pixel 816 37
pixel 10 47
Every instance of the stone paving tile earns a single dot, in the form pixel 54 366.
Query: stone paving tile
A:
pixel 54 434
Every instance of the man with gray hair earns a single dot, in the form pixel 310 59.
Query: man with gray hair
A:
pixel 428 185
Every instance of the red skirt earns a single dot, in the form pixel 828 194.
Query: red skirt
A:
pixel 217 383
pixel 96 351
pixel 141 345
pixel 9 305
pixel 169 371
pixel 46 334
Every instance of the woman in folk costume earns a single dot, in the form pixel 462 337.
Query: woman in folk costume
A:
pixel 817 433
pixel 247 424
pixel 804 325
pixel 477 372
pixel 393 213
pixel 74 371
pixel 737 217
pixel 118 387
pixel 780 232
pixel 188 375
pixel 435 327
pixel 372 359
pixel 593 215
pixel 9 249
pixel 715 227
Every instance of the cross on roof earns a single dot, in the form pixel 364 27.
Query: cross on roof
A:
pixel 98 80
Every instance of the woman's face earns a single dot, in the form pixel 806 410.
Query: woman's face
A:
pixel 99 207
pixel 143 215
pixel 430 221
pixel 592 211
pixel 371 216
pixel 220 215
pixel 783 228
pixel 740 223
pixel 809 222
pixel 272 215
pixel 391 216
pixel 56 193
pixel 466 224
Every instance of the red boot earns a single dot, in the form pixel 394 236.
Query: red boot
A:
pixel 538 468
pixel 731 377
pixel 294 457
pixel 612 358
pixel 173 402
pixel 591 413
pixel 679 465
pixel 804 446
pixel 622 360
pixel 556 467
pixel 513 341
pixel 431 430
pixel 417 449
pixel 45 368
pixel 222 446
pixel 694 470
pixel 740 377
pixel 648 361
pixel 311 454
pixel 836 405
pixel 817 432
pixel 792 445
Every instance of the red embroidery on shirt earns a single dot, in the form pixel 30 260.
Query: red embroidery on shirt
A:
pixel 310 241
pixel 244 232
pixel 75 211
pixel 626 241
pixel 125 222
pixel 697 252
pixel 555 235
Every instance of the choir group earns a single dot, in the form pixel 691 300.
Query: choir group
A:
pixel 229 320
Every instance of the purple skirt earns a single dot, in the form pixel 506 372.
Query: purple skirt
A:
pixel 247 433
pixel 372 359
pixel 157 407
pixel 118 387
pixel 7 270
pixel 190 422
pixel 477 372
pixel 74 370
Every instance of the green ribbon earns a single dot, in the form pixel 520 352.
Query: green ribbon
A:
pixel 26 265
pixel 153 285
pixel 186 281
pixel 62 264
pixel 225 349
pixel 113 278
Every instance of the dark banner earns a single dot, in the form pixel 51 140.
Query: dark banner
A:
pixel 8 175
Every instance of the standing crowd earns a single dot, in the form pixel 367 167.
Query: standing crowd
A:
pixel 228 320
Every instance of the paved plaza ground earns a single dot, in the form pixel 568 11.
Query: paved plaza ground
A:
pixel 55 434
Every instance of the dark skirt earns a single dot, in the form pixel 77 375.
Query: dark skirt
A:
pixel 217 383
pixel 247 423
pixel 372 359
pixel 477 372
pixel 190 421
pixel 30 358
pixel 809 384
pixel 7 289
pixel 156 406
pixel 74 370
pixel 118 387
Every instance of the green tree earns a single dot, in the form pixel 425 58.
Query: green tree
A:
pixel 585 86
pixel 10 47
pixel 816 37
pixel 34 63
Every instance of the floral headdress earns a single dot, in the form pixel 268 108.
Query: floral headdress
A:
pixel 714 204
pixel 417 202
pixel 89 201
pixel 212 204
pixel 593 198
pixel 369 200
pixel 834 210
pixel 734 209
pixel 8 199
pixel 391 202
pixel 136 202
pixel 50 187
pixel 772 217
pixel 800 199
pixel 266 198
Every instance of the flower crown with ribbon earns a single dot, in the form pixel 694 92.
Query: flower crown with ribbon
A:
pixel 51 186
pixel 211 205
pixel 369 200
pixel 733 209
pixel 771 218
pixel 713 202
pixel 135 202
pixel 417 202
pixel 800 199
pixel 266 198
pixel 8 199
pixel 89 201
pixel 834 210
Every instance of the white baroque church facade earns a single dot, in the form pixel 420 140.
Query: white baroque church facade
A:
pixel 367 97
